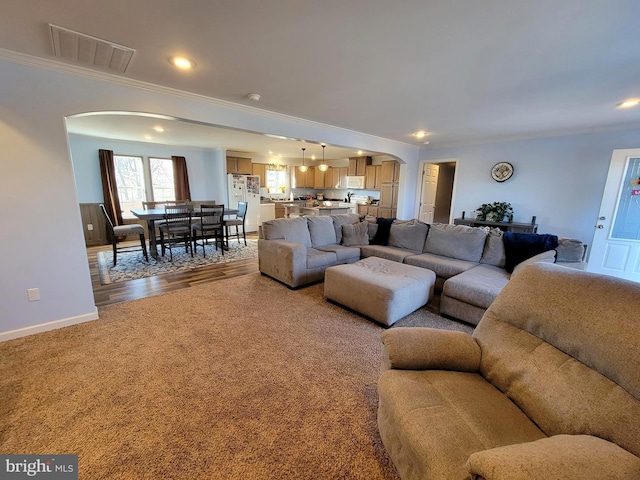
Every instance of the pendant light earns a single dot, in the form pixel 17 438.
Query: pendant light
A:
pixel 323 167
pixel 303 168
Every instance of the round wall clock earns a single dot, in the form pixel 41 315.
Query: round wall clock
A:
pixel 501 171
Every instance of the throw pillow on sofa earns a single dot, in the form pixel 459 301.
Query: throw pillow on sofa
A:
pixel 519 247
pixel 409 235
pixel 343 219
pixel 289 229
pixel 321 230
pixel 570 250
pixel 456 241
pixel 493 253
pixel 355 234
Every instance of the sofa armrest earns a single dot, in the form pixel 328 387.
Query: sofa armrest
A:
pixel 283 260
pixel 560 456
pixel 417 348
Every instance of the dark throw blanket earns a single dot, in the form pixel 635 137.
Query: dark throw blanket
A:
pixel 382 234
pixel 518 247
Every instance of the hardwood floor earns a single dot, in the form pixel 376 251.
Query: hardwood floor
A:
pixel 146 287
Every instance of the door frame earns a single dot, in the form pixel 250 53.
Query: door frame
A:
pixel 416 206
pixel 607 212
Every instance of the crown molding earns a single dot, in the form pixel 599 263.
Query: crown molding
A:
pixel 79 71
pixel 539 136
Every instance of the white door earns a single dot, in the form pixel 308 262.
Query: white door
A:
pixel 428 192
pixel 616 242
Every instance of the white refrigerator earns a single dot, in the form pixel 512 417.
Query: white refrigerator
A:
pixel 246 188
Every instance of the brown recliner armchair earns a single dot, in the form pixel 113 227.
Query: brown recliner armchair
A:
pixel 548 385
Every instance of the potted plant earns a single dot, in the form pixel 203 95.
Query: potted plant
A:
pixel 495 212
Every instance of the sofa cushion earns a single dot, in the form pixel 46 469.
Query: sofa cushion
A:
pixel 520 246
pixel 444 267
pixel 432 420
pixel 456 241
pixel 355 234
pixel 319 259
pixel 569 250
pixel 343 219
pixel 343 253
pixel 555 342
pixel 493 253
pixel 410 235
pixel 383 251
pixel 321 230
pixel 290 229
pixel 478 286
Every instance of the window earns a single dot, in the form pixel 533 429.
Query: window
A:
pixel 276 181
pixel 162 179
pixel 130 182
pixel 139 179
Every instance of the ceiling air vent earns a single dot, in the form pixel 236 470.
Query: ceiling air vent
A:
pixel 90 51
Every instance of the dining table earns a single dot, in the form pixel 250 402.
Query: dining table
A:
pixel 152 214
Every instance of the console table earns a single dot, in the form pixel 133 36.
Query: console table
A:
pixel 505 226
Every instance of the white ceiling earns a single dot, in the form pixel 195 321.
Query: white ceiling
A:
pixel 464 70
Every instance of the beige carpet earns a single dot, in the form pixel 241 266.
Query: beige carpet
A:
pixel 238 379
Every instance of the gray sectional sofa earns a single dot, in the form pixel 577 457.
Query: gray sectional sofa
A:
pixel 468 261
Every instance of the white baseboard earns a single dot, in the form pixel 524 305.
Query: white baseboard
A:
pixel 44 327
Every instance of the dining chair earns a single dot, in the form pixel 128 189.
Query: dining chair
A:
pixel 237 222
pixel 116 231
pixel 176 228
pixel 209 226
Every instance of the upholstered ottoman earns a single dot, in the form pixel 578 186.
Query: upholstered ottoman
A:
pixel 381 289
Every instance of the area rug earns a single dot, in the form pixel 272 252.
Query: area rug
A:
pixel 132 265
pixel 237 379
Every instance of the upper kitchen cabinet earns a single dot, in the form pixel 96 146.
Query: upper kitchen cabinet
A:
pixel 239 165
pixel 390 176
pixel 358 165
pixel 389 172
pixel 371 173
pixel 260 170
pixel 319 178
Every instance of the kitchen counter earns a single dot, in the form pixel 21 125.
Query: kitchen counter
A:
pixel 333 210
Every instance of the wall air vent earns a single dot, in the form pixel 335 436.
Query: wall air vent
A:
pixel 90 51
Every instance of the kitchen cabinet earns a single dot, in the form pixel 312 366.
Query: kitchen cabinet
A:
pixel 280 210
pixel 370 177
pixel 239 165
pixel 260 170
pixel 335 177
pixel 368 210
pixel 390 174
pixel 318 182
pixel 332 178
pixel 298 178
pixel 378 181
pixel 357 165
pixel 342 172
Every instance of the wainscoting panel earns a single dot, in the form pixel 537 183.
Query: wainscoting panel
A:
pixel 92 215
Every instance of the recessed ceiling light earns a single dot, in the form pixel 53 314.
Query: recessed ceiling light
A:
pixel 148 137
pixel 420 134
pixel 253 96
pixel 359 152
pixel 631 102
pixel 158 129
pixel 182 63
